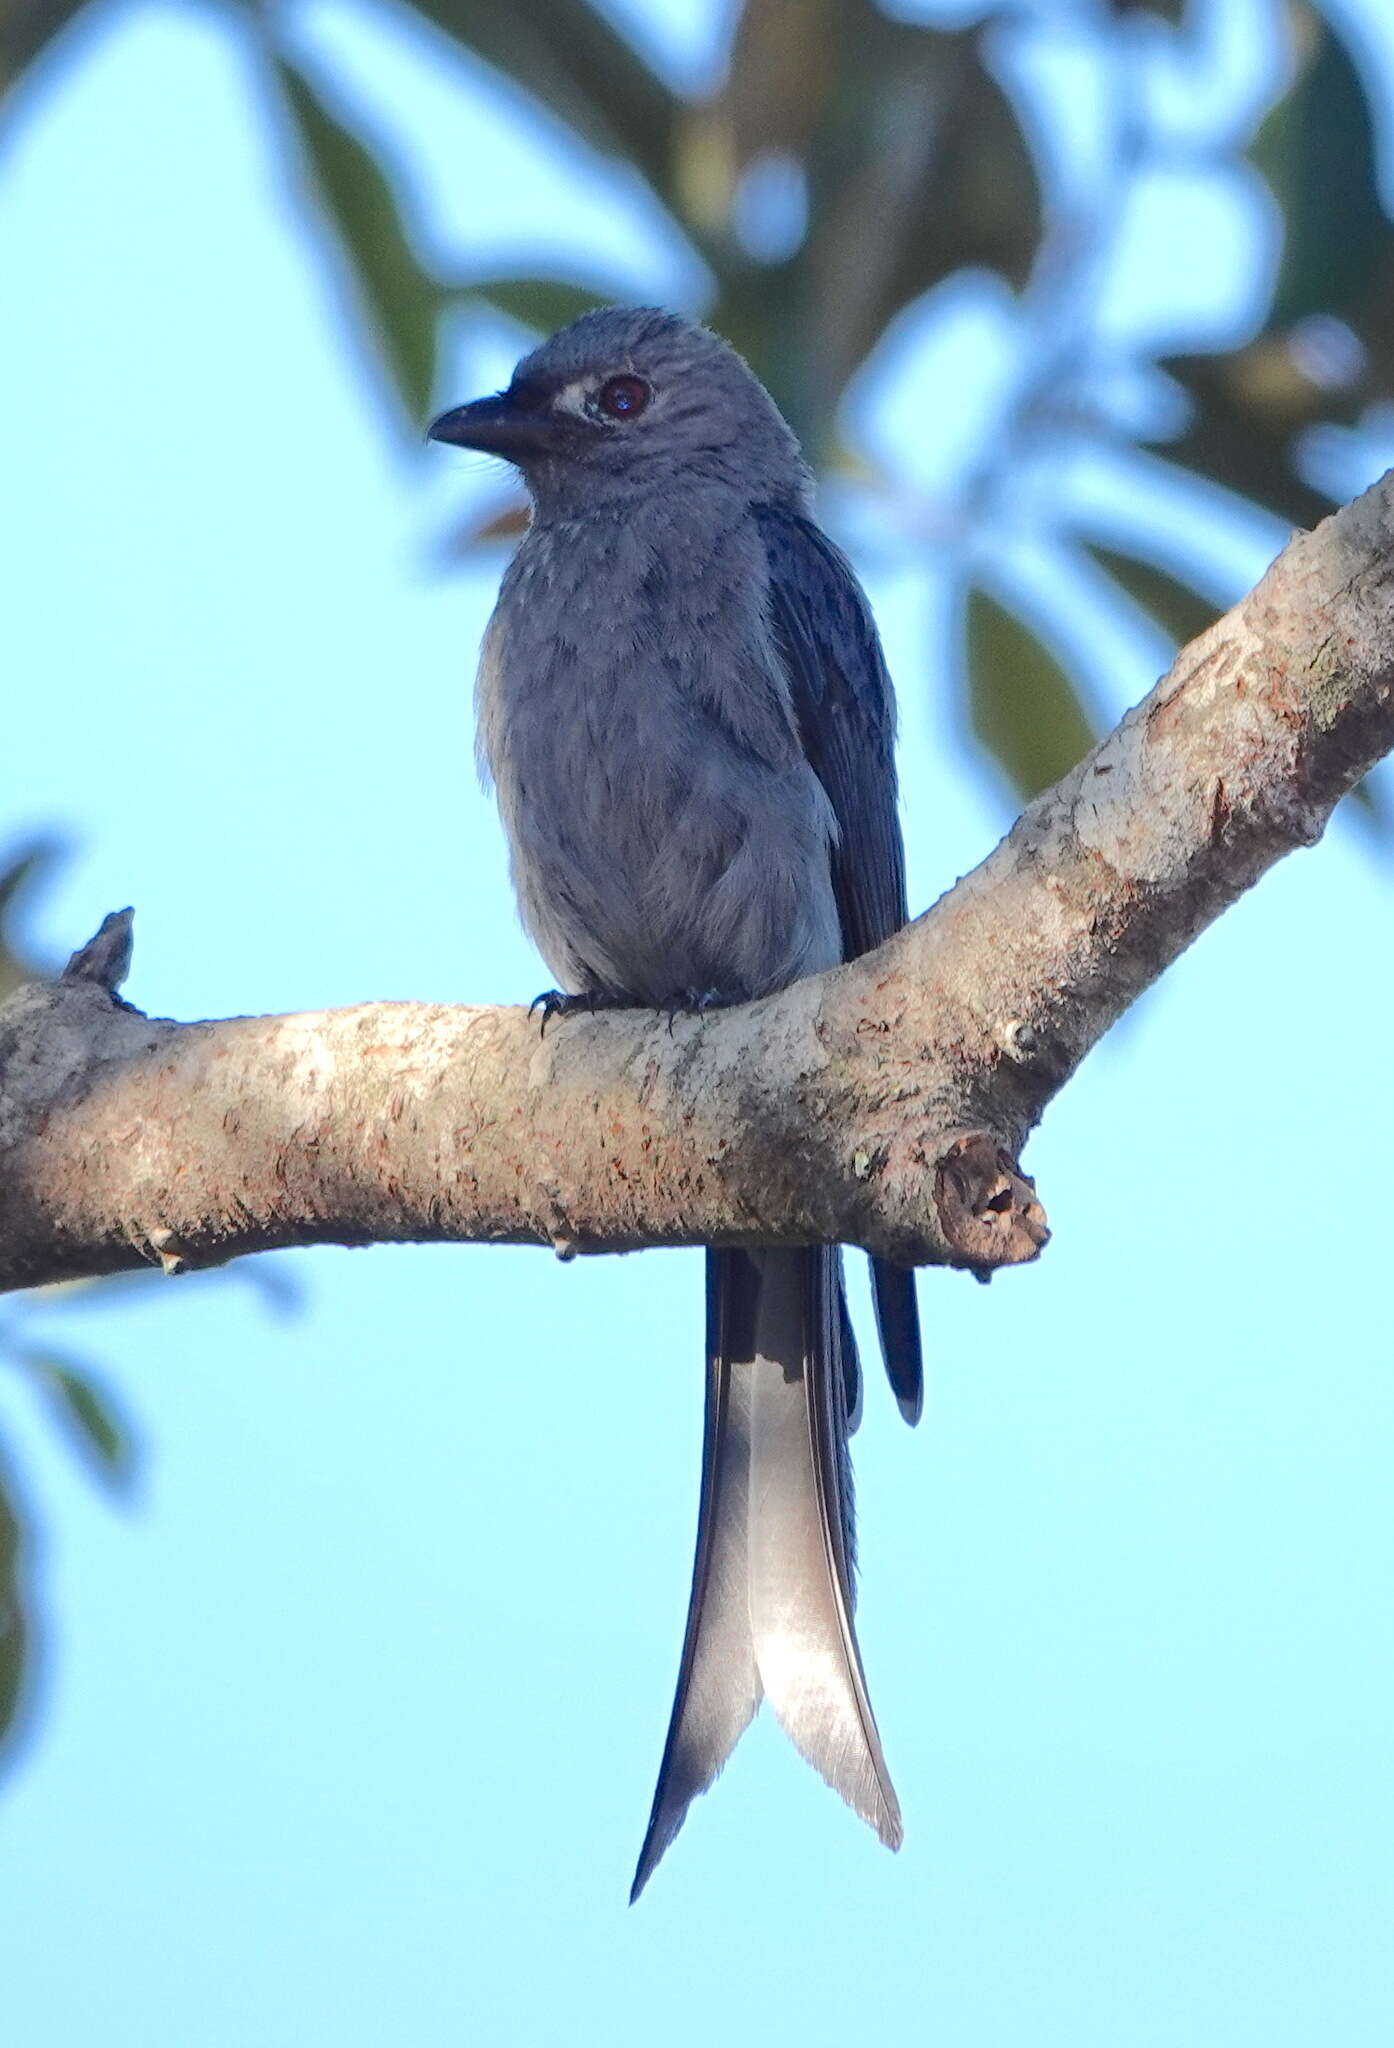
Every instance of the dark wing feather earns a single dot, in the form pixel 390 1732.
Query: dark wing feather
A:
pixel 846 715
pixel 845 708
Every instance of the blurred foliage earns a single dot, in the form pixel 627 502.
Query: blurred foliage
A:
pixel 89 1416
pixel 65 1390
pixel 26 29
pixel 21 869
pixel 65 1387
pixel 16 871
pixel 15 1625
pixel 1325 350
pixel 844 164
pixel 398 303
pixel 87 1412
pixel 1180 611
pixel 1006 657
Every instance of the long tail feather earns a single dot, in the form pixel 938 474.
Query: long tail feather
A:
pixel 718 1684
pixel 771 1604
pixel 801 1536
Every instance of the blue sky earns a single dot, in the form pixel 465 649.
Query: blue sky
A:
pixel 350 1718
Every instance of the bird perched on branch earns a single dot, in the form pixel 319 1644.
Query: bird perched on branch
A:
pixel 685 713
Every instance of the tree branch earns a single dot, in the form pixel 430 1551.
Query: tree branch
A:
pixel 884 1104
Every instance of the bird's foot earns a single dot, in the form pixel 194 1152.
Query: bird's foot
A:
pixel 555 1002
pixel 695 1002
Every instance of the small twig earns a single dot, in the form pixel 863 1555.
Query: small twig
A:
pixel 106 958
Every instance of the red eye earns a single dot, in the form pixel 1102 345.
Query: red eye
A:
pixel 623 398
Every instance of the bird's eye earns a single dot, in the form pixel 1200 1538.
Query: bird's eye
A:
pixel 622 398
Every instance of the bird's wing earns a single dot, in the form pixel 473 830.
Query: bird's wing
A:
pixel 845 709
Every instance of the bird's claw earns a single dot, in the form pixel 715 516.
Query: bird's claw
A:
pixel 556 1002
pixel 694 1002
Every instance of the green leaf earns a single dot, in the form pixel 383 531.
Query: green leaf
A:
pixel 542 303
pixel 356 198
pixel 1252 404
pixel 569 57
pixel 1376 817
pixel 1171 11
pixel 978 199
pixel 1317 151
pixel 20 869
pixel 27 27
pixel 915 167
pixel 15 1627
pixel 1242 431
pixel 1024 708
pixel 1181 612
pixel 86 1411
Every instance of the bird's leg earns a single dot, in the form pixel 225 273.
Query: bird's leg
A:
pixel 556 1002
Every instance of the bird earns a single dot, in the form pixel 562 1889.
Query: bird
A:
pixel 685 714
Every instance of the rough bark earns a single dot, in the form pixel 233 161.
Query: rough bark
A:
pixel 883 1105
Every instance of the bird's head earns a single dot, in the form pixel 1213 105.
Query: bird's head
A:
pixel 626 400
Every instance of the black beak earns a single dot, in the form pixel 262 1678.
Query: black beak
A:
pixel 495 426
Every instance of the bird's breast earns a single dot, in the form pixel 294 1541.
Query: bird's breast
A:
pixel 666 830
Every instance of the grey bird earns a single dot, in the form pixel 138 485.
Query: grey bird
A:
pixel 687 719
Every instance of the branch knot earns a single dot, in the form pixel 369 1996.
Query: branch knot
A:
pixel 987 1207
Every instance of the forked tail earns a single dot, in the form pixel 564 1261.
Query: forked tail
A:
pixel 771 1607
